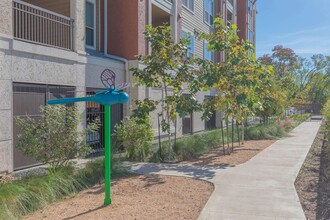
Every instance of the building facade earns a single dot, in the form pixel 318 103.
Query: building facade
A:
pixel 58 48
pixel 246 20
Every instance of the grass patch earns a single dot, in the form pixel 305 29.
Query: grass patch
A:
pixel 24 196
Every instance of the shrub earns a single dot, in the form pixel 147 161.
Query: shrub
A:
pixel 193 146
pixel 23 196
pixel 54 139
pixel 266 132
pixel 27 195
pixel 135 137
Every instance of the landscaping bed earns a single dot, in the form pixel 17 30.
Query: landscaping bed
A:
pixel 241 154
pixel 135 197
pixel 313 182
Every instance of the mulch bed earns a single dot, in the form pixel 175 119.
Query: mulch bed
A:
pixel 135 197
pixel 241 154
pixel 312 186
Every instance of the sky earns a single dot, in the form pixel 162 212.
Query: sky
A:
pixel 302 25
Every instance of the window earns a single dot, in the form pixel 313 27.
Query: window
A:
pixel 189 4
pixel 190 52
pixel 90 24
pixel 208 55
pixel 208 11
pixel 249 6
pixel 250 37
pixel 230 18
pixel 27 99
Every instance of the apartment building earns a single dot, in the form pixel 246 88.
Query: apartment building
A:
pixel 50 49
pixel 190 17
pixel 246 20
pixel 58 48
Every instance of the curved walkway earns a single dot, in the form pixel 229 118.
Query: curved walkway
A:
pixel 262 188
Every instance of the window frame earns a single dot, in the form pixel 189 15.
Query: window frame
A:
pixel 207 15
pixel 250 35
pixel 190 53
pixel 94 23
pixel 205 51
pixel 190 3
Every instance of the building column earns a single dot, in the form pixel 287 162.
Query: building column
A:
pixel 6 114
pixel 78 14
pixel 6 14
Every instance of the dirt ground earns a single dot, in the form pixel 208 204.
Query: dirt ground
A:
pixel 240 154
pixel 150 196
pixel 136 197
pixel 312 187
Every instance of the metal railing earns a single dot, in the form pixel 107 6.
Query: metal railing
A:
pixel 37 25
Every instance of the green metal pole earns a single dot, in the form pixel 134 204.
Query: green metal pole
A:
pixel 107 154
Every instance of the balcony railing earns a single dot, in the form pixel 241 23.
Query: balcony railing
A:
pixel 37 25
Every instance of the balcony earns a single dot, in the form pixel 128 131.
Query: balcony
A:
pixel 165 5
pixel 230 5
pixel 37 25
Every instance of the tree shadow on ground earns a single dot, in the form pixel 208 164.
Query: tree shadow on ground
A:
pixel 151 180
pixel 197 172
pixel 85 213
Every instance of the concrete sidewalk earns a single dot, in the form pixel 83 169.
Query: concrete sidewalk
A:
pixel 262 188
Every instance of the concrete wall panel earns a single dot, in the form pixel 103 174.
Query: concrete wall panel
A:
pixel 5 156
pixel 6 17
pixel 5 125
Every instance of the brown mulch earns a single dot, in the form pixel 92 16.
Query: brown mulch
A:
pixel 241 154
pixel 150 196
pixel 135 197
pixel 312 186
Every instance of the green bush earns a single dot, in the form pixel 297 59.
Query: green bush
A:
pixel 265 132
pixel 300 117
pixel 135 137
pixel 54 139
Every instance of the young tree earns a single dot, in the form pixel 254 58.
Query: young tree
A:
pixel 168 68
pixel 236 78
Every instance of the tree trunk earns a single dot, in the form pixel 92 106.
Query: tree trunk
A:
pixel 232 135
pixel 159 142
pixel 223 138
pixel 239 143
pixel 243 133
pixel 227 131
pixel 169 127
pixel 175 124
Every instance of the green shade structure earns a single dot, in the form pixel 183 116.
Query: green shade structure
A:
pixel 113 95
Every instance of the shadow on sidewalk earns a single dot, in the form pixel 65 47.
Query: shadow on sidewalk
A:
pixel 197 172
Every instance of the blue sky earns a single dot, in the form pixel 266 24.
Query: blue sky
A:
pixel 302 25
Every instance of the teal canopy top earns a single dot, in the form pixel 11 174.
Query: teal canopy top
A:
pixel 104 98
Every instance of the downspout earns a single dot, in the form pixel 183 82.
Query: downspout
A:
pixel 113 57
pixel 175 20
pixel 149 21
